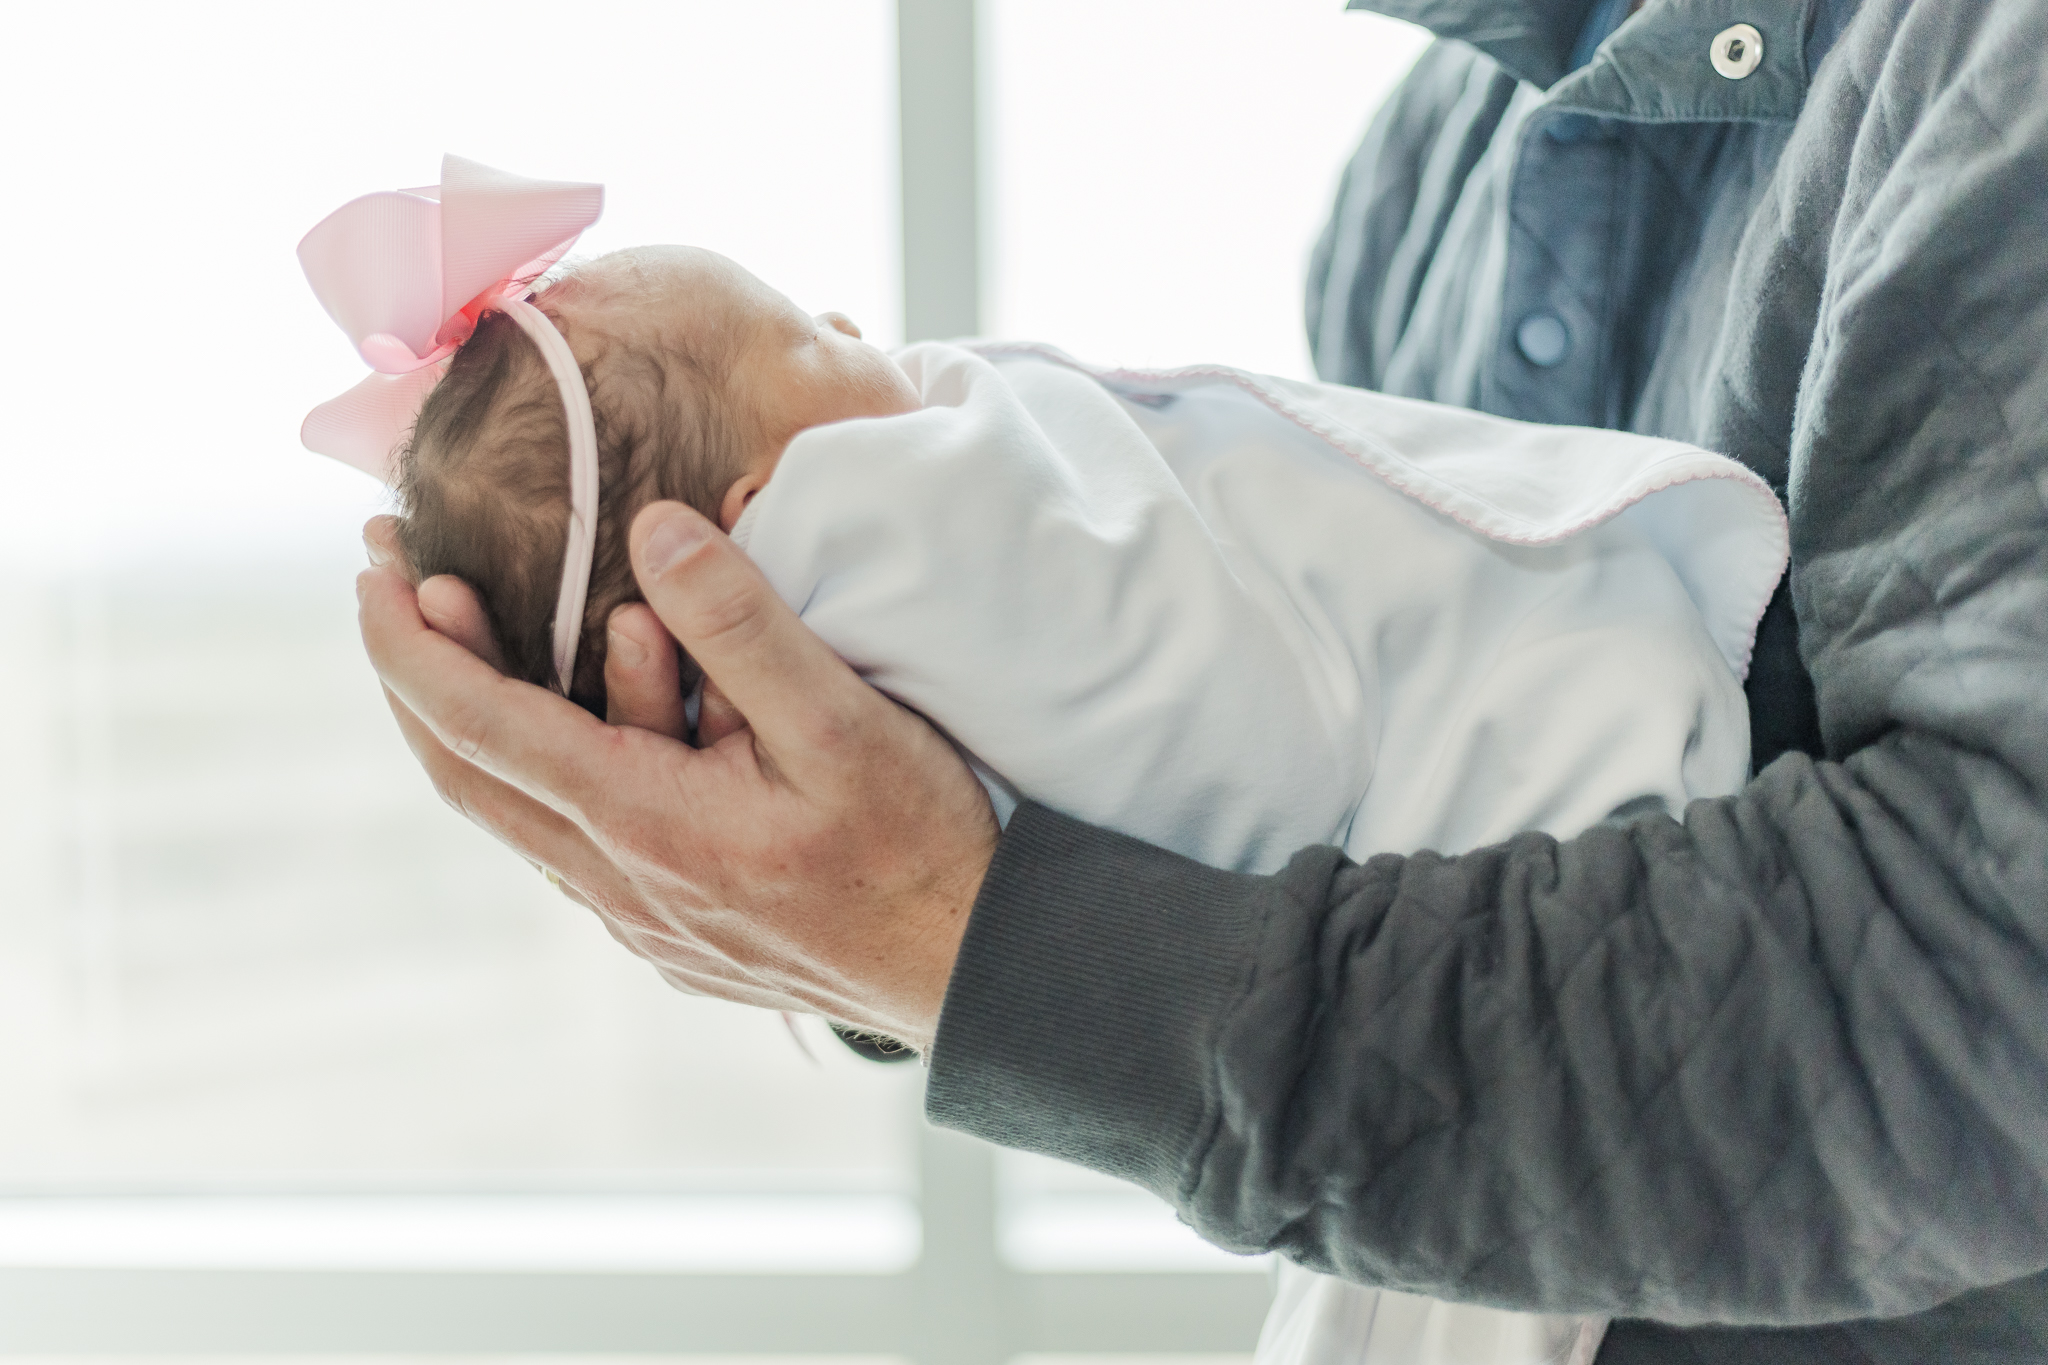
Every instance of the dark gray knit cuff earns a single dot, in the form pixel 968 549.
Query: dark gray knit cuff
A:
pixel 1093 978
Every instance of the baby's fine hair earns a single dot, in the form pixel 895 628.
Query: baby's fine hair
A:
pixel 483 485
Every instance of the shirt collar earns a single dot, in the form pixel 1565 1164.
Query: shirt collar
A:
pixel 1656 67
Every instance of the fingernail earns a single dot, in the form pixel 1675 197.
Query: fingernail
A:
pixel 378 557
pixel 625 648
pixel 669 542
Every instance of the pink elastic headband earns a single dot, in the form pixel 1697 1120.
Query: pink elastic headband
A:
pixel 407 273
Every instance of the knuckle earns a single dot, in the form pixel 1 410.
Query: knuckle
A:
pixel 470 800
pixel 465 729
pixel 454 797
pixel 728 616
pixel 843 727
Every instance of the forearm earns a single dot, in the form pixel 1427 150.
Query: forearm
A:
pixel 1735 1070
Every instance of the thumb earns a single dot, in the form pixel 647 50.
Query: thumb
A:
pixel 798 695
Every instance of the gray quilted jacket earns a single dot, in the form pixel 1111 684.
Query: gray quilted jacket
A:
pixel 1777 1073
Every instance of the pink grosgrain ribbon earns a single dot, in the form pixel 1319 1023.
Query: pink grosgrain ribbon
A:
pixel 406 274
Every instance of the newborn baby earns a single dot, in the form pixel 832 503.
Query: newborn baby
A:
pixel 1228 614
pixel 1225 613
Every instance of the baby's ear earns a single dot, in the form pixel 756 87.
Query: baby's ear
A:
pixel 738 496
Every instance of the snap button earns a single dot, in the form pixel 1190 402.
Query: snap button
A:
pixel 1543 340
pixel 1738 50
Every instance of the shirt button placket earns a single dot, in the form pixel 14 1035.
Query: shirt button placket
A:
pixel 1561 254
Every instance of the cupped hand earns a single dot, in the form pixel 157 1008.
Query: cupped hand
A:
pixel 820 852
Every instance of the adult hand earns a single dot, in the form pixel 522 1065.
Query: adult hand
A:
pixel 822 851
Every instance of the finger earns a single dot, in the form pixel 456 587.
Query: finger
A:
pixel 542 836
pixel 716 716
pixel 643 677
pixel 380 541
pixel 799 697
pixel 452 607
pixel 545 746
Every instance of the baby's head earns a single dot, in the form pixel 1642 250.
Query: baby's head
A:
pixel 699 377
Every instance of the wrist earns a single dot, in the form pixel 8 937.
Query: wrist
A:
pixel 921 973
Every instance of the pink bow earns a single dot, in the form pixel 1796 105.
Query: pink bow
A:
pixel 406 273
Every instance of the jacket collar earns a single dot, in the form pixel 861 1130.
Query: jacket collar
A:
pixel 1655 68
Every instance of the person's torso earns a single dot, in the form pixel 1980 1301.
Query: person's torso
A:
pixel 1667 248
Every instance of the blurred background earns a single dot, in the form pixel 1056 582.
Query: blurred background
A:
pixel 293 1060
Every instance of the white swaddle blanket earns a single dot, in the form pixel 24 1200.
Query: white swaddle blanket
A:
pixel 1235 616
